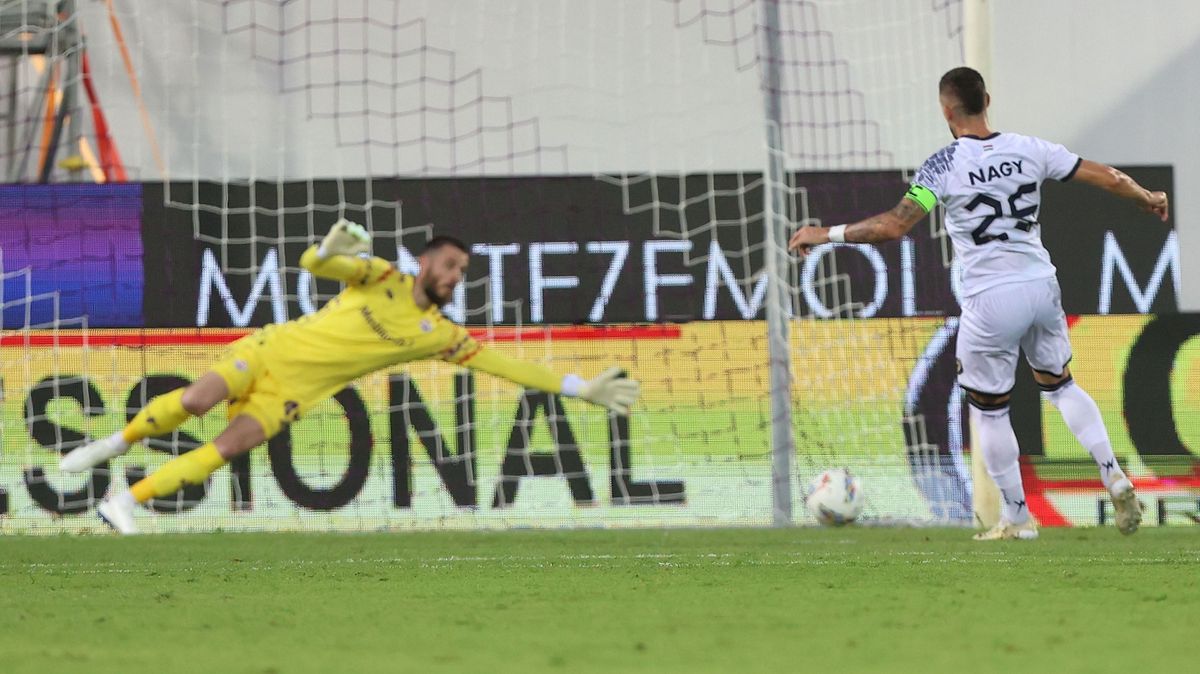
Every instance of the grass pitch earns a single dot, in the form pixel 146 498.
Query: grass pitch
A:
pixel 889 600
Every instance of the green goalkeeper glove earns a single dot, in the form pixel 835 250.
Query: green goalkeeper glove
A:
pixel 611 389
pixel 345 238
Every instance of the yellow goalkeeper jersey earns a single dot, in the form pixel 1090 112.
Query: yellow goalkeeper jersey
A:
pixel 373 324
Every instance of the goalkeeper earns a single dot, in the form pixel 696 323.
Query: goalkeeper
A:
pixel 272 376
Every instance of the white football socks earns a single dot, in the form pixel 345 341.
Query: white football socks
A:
pixel 117 441
pixel 1083 418
pixel 125 499
pixel 1000 455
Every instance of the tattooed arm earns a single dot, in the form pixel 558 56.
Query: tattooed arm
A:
pixel 886 226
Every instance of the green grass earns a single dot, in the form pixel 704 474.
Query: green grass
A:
pixel 847 600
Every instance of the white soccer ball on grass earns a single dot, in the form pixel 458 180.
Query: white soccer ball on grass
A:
pixel 835 497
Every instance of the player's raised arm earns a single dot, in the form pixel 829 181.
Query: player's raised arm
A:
pixel 609 389
pixel 887 226
pixel 338 256
pixel 1115 181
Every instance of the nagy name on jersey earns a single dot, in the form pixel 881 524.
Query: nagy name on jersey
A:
pixel 1003 169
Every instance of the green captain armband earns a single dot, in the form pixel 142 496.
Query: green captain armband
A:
pixel 924 197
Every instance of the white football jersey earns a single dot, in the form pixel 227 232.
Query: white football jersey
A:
pixel 991 189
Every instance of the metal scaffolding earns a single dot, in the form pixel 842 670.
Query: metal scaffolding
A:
pixel 45 33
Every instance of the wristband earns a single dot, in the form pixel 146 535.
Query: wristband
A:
pixel 837 234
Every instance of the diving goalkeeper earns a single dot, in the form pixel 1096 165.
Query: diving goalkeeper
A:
pixel 272 376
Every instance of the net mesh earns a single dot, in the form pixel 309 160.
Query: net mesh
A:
pixel 618 146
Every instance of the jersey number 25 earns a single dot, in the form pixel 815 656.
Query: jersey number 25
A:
pixel 980 233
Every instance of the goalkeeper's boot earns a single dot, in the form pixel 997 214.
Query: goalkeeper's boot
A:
pixel 117 512
pixel 1005 531
pixel 1128 507
pixel 92 454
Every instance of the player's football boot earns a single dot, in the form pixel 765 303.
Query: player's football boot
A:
pixel 92 454
pixel 1128 507
pixel 118 514
pixel 1005 531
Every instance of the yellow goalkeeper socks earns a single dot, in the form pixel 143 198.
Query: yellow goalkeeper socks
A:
pixel 190 468
pixel 160 416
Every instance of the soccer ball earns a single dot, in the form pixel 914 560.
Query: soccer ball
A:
pixel 835 497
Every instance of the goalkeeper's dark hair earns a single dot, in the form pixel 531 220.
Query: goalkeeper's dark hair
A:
pixel 967 87
pixel 442 241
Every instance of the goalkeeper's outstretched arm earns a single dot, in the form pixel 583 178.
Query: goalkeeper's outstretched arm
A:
pixel 338 256
pixel 609 389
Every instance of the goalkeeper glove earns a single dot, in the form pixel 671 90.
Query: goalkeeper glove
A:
pixel 345 238
pixel 611 389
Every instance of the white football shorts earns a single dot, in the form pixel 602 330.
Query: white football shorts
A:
pixel 997 321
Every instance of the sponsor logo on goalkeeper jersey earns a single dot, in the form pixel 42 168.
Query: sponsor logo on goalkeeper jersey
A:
pixel 381 331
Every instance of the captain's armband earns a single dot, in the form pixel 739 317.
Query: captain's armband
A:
pixel 924 196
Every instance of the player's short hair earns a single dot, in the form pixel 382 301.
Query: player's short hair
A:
pixel 966 85
pixel 441 241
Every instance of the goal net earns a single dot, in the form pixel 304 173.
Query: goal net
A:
pixel 623 171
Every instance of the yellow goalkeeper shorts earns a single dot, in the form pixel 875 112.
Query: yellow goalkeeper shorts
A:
pixel 253 391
